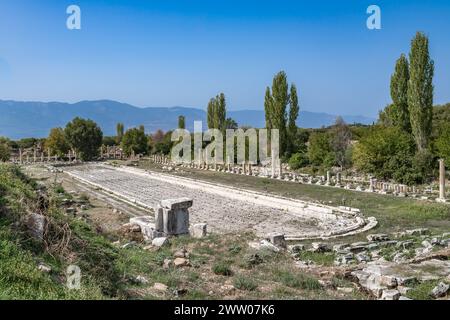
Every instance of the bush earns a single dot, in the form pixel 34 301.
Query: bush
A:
pixel 297 280
pixel 244 283
pixel 320 152
pixel 388 153
pixel 298 160
pixel 85 136
pixel 222 268
pixel 135 141
pixel 5 149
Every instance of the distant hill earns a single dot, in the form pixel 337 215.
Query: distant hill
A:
pixel 35 119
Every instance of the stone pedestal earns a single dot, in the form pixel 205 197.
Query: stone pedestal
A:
pixel 172 216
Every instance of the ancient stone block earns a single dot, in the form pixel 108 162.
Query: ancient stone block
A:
pixel 199 230
pixel 147 226
pixel 159 242
pixel 277 239
pixel 35 224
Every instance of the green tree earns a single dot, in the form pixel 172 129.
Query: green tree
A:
pixel 119 132
pixel 293 115
pixel 57 142
pixel 211 110
pixel 341 142
pixel 165 144
pixel 5 149
pixel 216 112
pixel 388 153
pixel 280 98
pixel 85 137
pixel 134 140
pixel 399 93
pixel 268 106
pixel 181 122
pixel 442 144
pixel 320 152
pixel 231 124
pixel 420 91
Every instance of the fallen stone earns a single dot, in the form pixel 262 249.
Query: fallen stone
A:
pixel 417 232
pixel 180 253
pixel 146 225
pixel 320 247
pixel 128 245
pixel 440 290
pixel 340 247
pixel 403 290
pixel 141 280
pixel 277 239
pixel 362 257
pixel 377 237
pixel 345 290
pixel 167 263
pixel 35 224
pixel 199 230
pixel 160 287
pixel 159 242
pixel 264 244
pixel 404 298
pixel 390 295
pixel 296 248
pixel 44 268
pixel 426 244
pixel 180 262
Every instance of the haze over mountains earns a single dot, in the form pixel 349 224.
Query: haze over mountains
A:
pixel 35 119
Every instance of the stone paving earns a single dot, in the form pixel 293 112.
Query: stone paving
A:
pixel 224 209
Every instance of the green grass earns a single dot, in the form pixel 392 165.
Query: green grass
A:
pixel 242 282
pixel 222 268
pixel 324 259
pixel 422 290
pixel 297 280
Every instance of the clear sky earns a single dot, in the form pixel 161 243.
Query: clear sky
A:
pixel 162 53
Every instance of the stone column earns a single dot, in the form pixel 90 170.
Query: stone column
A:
pixel 338 180
pixel 273 164
pixel 371 186
pixel 328 178
pixel 49 155
pixel 280 169
pixel 441 181
pixel 20 156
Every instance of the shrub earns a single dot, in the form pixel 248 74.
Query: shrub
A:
pixel 388 153
pixel 244 283
pixel 222 268
pixel 298 160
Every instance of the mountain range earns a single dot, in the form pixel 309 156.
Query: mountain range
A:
pixel 35 119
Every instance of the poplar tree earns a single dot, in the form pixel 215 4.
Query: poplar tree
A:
pixel 280 98
pixel 293 115
pixel 119 132
pixel 181 122
pixel 420 91
pixel 399 112
pixel 268 102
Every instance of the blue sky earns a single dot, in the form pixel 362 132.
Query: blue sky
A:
pixel 162 53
